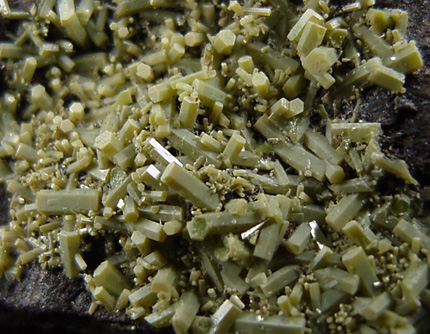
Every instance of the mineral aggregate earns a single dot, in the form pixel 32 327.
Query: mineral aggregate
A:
pixel 198 145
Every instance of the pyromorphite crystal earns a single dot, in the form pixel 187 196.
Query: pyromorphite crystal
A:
pixel 196 154
pixel 56 202
pixel 189 187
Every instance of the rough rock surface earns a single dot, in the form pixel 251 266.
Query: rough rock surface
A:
pixel 49 302
pixel 406 118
